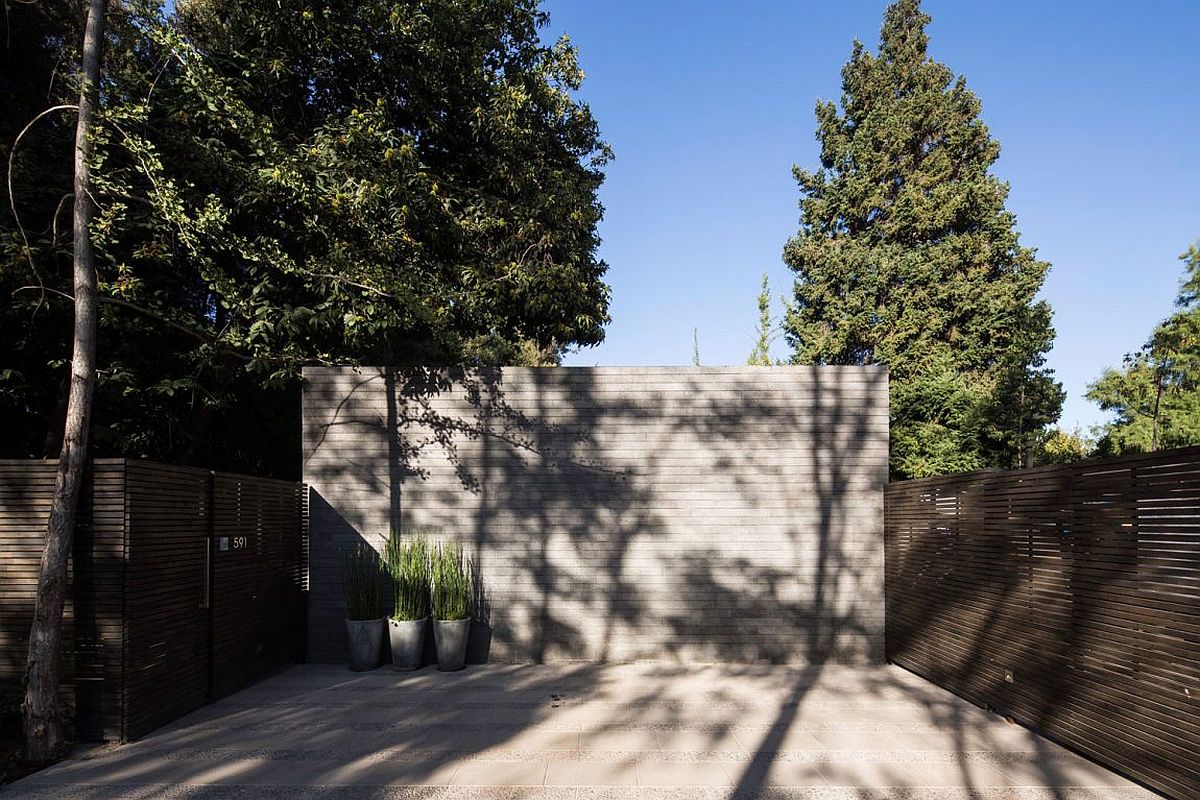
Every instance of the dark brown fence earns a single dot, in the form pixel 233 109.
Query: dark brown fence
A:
pixel 1065 597
pixel 94 629
pixel 186 585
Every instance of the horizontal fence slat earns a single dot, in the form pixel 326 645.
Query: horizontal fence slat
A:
pixel 1067 597
pixel 138 643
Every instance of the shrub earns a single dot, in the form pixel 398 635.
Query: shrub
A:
pixel 451 583
pixel 408 564
pixel 360 581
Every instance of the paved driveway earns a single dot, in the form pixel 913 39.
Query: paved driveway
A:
pixel 636 731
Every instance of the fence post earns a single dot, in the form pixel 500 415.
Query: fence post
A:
pixel 210 573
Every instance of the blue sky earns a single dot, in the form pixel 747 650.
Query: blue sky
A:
pixel 707 105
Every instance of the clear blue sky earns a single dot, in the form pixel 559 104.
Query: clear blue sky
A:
pixel 708 104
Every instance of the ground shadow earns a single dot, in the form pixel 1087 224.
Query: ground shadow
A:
pixel 1053 596
pixel 671 522
pixel 571 496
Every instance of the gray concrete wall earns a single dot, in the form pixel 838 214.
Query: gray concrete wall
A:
pixel 692 514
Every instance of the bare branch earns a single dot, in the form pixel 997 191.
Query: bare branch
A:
pixel 12 200
pixel 355 284
pixel 54 220
pixel 116 301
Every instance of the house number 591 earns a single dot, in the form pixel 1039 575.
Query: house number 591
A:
pixel 239 542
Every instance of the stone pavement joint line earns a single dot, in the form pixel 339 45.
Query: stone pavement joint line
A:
pixel 587 732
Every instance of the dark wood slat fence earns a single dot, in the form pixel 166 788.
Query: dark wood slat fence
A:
pixel 1065 597
pixel 186 585
pixel 92 661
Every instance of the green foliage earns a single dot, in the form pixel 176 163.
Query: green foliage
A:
pixel 389 182
pixel 765 334
pixel 1064 447
pixel 907 257
pixel 1155 396
pixel 940 410
pixel 452 587
pixel 407 563
pixel 527 353
pixel 361 575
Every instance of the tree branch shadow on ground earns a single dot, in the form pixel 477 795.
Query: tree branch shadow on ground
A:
pixel 535 457
pixel 1020 589
pixel 516 469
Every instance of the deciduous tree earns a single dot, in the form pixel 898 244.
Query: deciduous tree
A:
pixel 45 729
pixel 281 183
pixel 1064 447
pixel 1155 396
pixel 263 185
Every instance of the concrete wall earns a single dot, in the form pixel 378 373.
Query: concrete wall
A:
pixel 698 514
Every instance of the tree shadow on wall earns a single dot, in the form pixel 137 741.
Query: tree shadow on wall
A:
pixel 582 509
pixel 527 497
pixel 811 600
pixel 601 545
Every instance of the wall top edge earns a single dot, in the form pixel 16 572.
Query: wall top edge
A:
pixel 868 369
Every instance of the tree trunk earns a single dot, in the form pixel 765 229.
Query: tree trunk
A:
pixel 45 729
pixel 1157 400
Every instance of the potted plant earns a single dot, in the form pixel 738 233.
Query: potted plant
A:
pixel 408 565
pixel 364 606
pixel 451 605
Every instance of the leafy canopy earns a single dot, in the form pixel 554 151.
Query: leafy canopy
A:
pixel 1064 447
pixel 1155 396
pixel 282 184
pixel 907 257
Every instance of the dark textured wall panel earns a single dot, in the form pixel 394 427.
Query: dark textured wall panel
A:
pixel 1066 597
pixel 710 514
pixel 93 632
pixel 141 648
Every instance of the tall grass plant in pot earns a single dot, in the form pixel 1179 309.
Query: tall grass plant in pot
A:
pixel 407 563
pixel 361 578
pixel 451 605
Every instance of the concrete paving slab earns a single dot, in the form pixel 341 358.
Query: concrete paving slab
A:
pixel 761 775
pixel 865 774
pixel 962 773
pixel 692 740
pixel 1064 770
pixel 565 732
pixel 669 774
pixel 172 792
pixel 619 738
pixel 501 773
pixel 591 773
pixel 536 739
pixel 883 737
pixel 365 772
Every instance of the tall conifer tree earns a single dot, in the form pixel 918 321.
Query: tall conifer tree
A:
pixel 760 356
pixel 907 257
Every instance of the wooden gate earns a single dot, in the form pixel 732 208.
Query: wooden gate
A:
pixel 258 573
pixel 166 664
pixel 187 585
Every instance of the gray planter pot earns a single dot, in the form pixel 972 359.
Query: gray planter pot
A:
pixel 408 642
pixel 450 638
pixel 366 642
